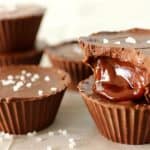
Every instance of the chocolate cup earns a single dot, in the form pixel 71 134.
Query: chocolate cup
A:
pixel 76 69
pixel 27 57
pixel 23 116
pixel 19 33
pixel 120 123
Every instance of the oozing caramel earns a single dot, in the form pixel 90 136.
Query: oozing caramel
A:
pixel 119 81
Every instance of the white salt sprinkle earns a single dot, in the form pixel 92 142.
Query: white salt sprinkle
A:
pixel 15 88
pixel 8 136
pixel 29 74
pixel 40 92
pixel 130 40
pixel 38 139
pixel 28 85
pixel 50 133
pixel 30 134
pixel 117 42
pixel 33 79
pixel 48 147
pixel 148 41
pixel 53 89
pixel 71 140
pixel 10 77
pixel 23 72
pixel 47 78
pixel 7 82
pixel 105 41
pixel 36 76
pixel 19 84
pixel 72 145
pixel 64 132
pixel 22 78
pixel 60 131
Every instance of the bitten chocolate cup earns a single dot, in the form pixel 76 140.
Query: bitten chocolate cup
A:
pixel 68 56
pixel 19 26
pixel 29 57
pixel 125 123
pixel 30 97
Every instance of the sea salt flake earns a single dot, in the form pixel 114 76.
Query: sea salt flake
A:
pixel 72 145
pixel 10 77
pixel 60 131
pixel 148 41
pixel 64 132
pixel 33 79
pixel 53 89
pixel 30 134
pixel 50 133
pixel 38 139
pixel 40 92
pixel 48 147
pixel 8 136
pixel 47 78
pixel 71 140
pixel 130 40
pixel 117 42
pixel 105 41
pixel 15 88
pixel 23 72
pixel 19 84
pixel 22 78
pixel 36 76
pixel 28 85
pixel 7 82
pixel 29 74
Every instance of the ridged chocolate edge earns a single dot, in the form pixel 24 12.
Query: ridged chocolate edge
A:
pixel 126 125
pixel 77 70
pixel 30 58
pixel 19 33
pixel 20 117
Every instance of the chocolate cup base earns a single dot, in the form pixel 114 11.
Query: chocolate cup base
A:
pixel 77 70
pixel 119 123
pixel 21 117
pixel 19 33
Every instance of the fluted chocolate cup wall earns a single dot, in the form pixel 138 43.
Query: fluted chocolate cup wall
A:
pixel 19 33
pixel 22 116
pixel 119 123
pixel 77 70
pixel 16 58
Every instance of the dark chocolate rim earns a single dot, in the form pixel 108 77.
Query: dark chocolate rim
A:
pixel 93 50
pixel 18 99
pixel 29 57
pixel 49 49
pixel 30 52
pixel 37 14
pixel 110 104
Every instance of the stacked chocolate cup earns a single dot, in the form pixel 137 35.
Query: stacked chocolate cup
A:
pixel 68 57
pixel 118 93
pixel 18 30
pixel 29 94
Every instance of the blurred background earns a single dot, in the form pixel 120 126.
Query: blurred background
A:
pixel 67 19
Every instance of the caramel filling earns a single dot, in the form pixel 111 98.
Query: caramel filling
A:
pixel 119 81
